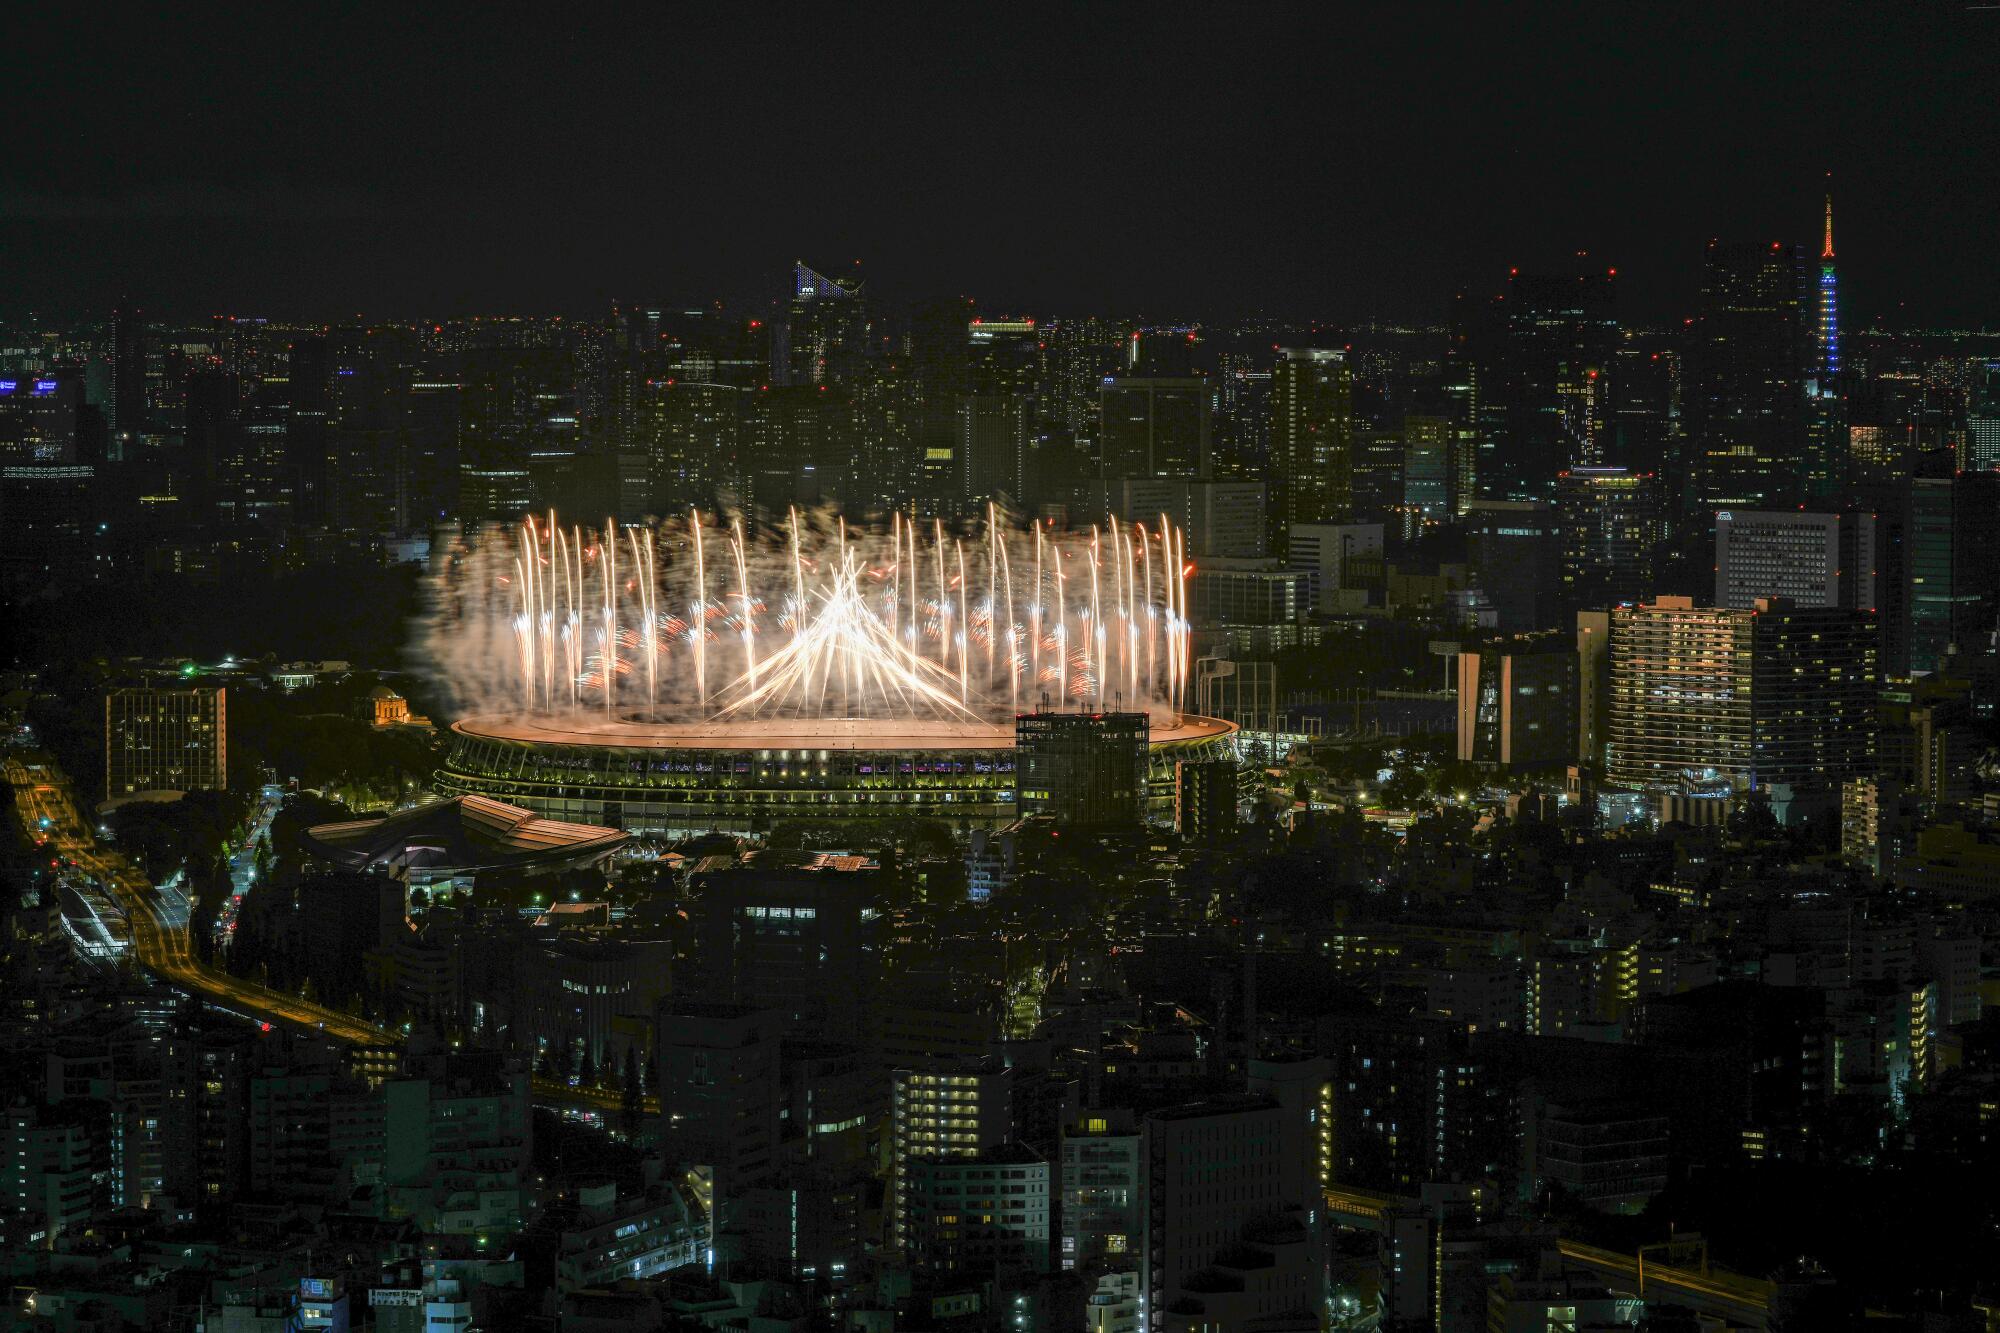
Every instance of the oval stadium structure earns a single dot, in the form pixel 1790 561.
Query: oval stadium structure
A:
pixel 675 779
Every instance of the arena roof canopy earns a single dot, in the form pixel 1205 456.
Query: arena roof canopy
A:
pixel 466 833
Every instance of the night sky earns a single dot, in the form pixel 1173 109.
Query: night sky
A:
pixel 1334 160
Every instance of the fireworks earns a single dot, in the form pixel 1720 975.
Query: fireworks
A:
pixel 818 620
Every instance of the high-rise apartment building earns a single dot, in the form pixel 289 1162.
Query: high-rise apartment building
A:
pixel 1773 695
pixel 717 1077
pixel 946 1110
pixel 165 740
pixel 1312 438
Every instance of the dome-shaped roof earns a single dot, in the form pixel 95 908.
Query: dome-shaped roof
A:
pixel 383 692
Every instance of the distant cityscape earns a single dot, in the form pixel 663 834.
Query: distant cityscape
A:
pixel 928 817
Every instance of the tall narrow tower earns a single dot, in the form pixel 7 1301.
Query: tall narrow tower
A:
pixel 1826 458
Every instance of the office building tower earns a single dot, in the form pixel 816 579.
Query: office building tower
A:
pixel 794 932
pixel 1982 421
pixel 1226 593
pixel 1950 575
pixel 1219 518
pixel 165 740
pixel 1536 358
pixel 1427 468
pixel 1153 427
pixel 1517 703
pixel 1776 695
pixel 1323 551
pixel 45 540
pixel 308 428
pixel 1003 356
pixel 1377 472
pixel 798 447
pixel 1083 770
pixel 1826 406
pixel 992 452
pixel 1743 396
pixel 1611 528
pixel 1809 559
pixel 129 414
pixel 518 430
pixel 40 417
pixel 1643 423
pixel 825 338
pixel 1312 438
pixel 1514 550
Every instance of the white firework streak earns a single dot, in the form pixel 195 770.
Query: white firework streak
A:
pixel 845 644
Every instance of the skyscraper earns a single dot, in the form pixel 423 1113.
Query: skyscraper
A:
pixel 1537 359
pixel 825 340
pixel 1611 525
pixel 1744 394
pixel 1950 572
pixel 128 381
pixel 1154 427
pixel 1312 439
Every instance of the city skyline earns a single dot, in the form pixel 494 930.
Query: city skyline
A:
pixel 1020 670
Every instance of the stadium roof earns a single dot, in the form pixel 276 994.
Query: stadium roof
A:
pixel 465 833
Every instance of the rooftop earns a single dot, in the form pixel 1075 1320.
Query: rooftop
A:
pixel 465 833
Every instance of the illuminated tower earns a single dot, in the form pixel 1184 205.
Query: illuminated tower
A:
pixel 1827 416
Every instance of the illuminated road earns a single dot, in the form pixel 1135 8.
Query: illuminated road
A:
pixel 159 933
pixel 1710 1289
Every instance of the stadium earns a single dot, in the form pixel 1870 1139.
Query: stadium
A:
pixel 690 677
pixel 677 779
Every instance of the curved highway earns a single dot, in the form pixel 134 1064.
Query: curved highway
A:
pixel 162 944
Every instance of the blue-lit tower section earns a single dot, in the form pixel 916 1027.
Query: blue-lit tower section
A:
pixel 1829 307
pixel 1826 453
